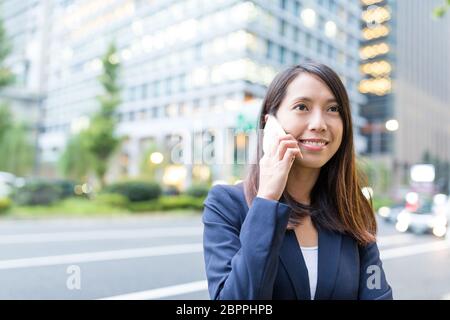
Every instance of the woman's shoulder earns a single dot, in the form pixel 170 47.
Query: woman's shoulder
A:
pixel 230 195
pixel 228 201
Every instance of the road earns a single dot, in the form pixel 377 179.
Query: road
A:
pixel 148 257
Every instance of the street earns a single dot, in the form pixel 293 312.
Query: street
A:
pixel 160 257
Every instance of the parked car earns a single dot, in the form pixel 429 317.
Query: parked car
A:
pixel 423 219
pixel 390 214
pixel 7 183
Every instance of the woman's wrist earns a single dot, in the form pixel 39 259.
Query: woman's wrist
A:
pixel 267 196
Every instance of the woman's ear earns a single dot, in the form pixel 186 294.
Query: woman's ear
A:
pixel 265 118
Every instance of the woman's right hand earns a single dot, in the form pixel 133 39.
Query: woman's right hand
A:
pixel 274 167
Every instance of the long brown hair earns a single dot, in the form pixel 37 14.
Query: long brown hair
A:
pixel 337 201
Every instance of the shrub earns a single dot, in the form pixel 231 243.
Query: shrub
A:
pixel 198 190
pixel 171 191
pixel 5 204
pixel 135 191
pixel 38 192
pixel 145 206
pixel 168 203
pixel 112 199
pixel 181 202
pixel 67 187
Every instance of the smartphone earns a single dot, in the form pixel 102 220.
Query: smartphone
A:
pixel 272 131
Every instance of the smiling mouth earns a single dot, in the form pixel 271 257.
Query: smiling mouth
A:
pixel 320 143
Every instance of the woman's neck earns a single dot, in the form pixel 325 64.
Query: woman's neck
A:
pixel 300 182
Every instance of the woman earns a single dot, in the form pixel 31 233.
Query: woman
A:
pixel 298 227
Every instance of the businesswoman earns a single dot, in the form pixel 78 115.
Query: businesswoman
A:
pixel 298 227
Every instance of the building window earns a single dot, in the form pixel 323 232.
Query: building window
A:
pixel 297 8
pixel 198 51
pixel 183 82
pixel 155 112
pixel 168 86
pixel 144 92
pixel 282 56
pixel 333 6
pixel 319 46
pixel 308 41
pixel 330 51
pixel 282 27
pixel 142 114
pixel 269 49
pixel 295 34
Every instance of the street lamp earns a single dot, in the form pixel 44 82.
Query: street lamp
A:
pixel 392 125
pixel 156 158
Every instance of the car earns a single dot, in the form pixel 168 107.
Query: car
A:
pixel 389 214
pixel 422 219
pixel 7 183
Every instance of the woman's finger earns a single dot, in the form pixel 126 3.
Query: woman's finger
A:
pixel 290 154
pixel 284 145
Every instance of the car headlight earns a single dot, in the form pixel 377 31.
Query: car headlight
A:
pixel 404 217
pixel 384 211
pixel 439 221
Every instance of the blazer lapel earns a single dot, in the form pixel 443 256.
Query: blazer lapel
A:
pixel 328 263
pixel 292 259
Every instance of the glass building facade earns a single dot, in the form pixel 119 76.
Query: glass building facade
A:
pixel 189 69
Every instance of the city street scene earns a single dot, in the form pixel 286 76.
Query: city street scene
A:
pixel 117 117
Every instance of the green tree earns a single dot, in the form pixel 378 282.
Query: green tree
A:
pixel 5 120
pixel 76 161
pixel 6 76
pixel 440 11
pixel 18 150
pixel 378 175
pixel 101 141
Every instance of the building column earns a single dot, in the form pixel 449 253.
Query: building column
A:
pixel 187 156
pixel 134 155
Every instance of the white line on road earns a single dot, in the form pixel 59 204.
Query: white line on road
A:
pixel 163 292
pixel 101 256
pixel 143 234
pixel 181 249
pixel 100 235
pixel 396 239
pixel 414 249
pixel 202 285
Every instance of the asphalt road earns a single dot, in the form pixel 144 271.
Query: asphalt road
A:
pixel 147 257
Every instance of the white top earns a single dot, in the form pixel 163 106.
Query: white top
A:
pixel 310 255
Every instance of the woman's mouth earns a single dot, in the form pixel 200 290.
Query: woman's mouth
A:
pixel 313 144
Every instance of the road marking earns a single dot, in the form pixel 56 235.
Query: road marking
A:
pixel 446 297
pixel 101 256
pixel 142 234
pixel 163 292
pixel 100 235
pixel 414 250
pixel 96 256
pixel 396 239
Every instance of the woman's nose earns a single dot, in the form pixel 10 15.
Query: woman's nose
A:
pixel 317 122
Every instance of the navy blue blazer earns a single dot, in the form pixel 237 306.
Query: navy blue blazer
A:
pixel 249 254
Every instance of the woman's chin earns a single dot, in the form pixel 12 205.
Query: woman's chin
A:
pixel 307 163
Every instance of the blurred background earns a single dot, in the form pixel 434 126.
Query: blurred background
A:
pixel 117 117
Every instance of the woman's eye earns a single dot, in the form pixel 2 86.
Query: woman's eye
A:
pixel 301 107
pixel 334 109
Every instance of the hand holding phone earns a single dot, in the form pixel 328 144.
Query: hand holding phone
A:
pixel 272 132
pixel 280 150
